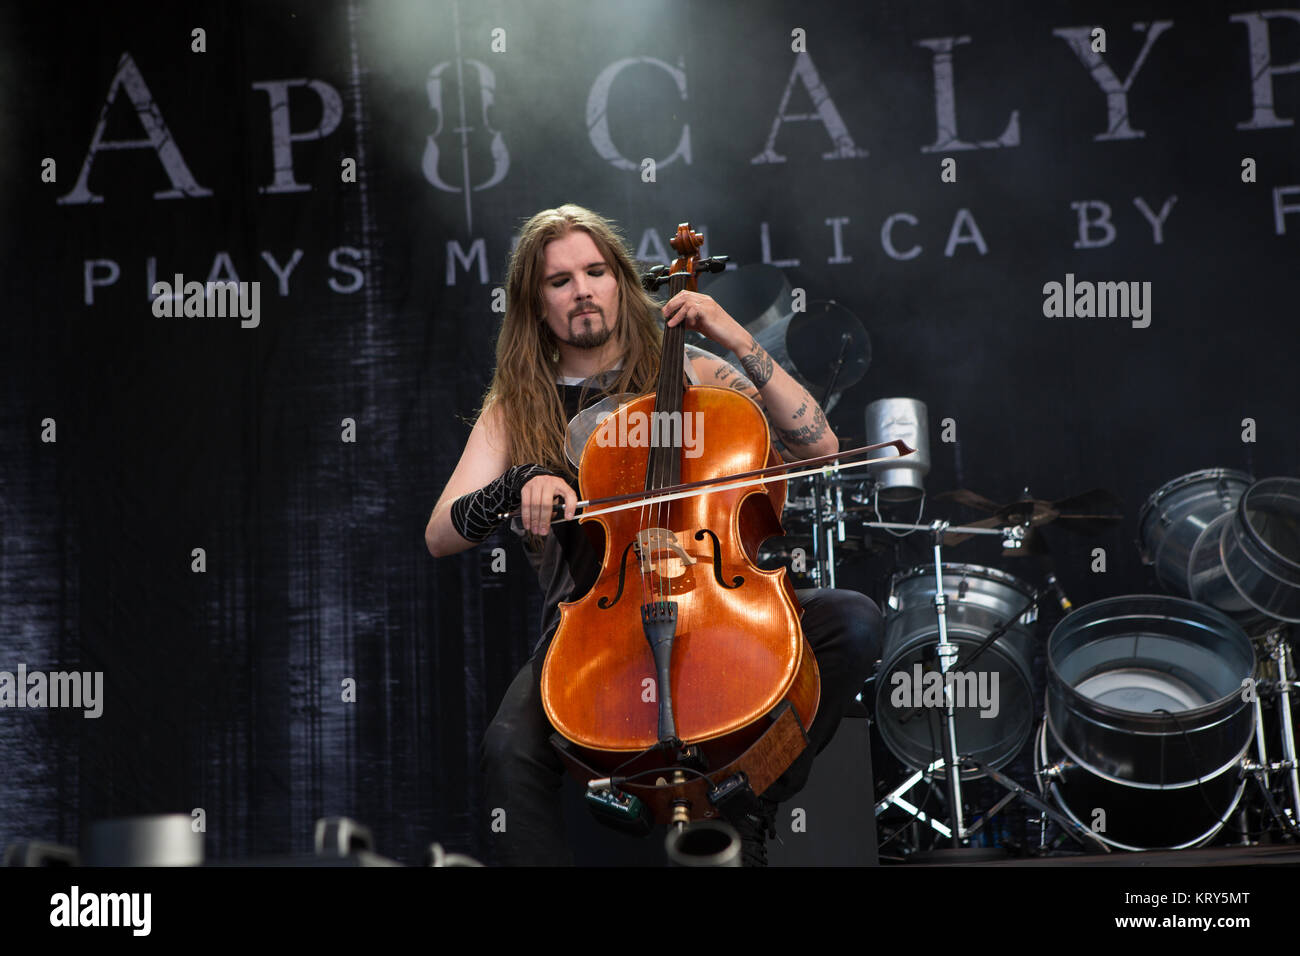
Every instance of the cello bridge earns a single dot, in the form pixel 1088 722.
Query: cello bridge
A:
pixel 659 551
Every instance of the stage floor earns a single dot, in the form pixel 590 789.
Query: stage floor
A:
pixel 1280 855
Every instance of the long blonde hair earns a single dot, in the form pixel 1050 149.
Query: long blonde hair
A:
pixel 524 383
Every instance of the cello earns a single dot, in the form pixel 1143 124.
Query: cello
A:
pixel 681 681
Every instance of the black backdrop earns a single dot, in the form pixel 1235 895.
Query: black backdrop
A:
pixel 224 690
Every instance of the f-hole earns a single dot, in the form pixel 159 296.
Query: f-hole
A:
pixel 738 580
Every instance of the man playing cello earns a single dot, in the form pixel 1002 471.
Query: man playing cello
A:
pixel 579 324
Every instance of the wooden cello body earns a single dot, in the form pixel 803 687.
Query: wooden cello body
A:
pixel 684 667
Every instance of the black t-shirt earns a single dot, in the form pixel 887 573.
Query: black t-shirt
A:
pixel 567 564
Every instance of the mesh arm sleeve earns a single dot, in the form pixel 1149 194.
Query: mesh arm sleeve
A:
pixel 474 516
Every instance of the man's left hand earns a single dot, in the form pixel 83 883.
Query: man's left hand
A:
pixel 701 313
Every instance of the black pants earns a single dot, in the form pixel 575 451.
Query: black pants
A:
pixel 524 774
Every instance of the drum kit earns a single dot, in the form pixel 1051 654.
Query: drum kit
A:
pixel 1158 711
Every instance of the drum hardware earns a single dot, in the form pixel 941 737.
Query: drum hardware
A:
pixel 1055 771
pixel 953 764
pixel 916 526
pixel 820 489
pixel 825 488
pixel 824 550
pixel 1053 776
pixel 1016 791
pixel 827 526
pixel 1259 773
pixel 1088 513
pixel 1022 539
pixel 895 798
pixel 1278 649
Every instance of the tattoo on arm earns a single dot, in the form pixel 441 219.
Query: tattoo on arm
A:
pixel 757 364
pixel 808 434
pixel 729 377
pixel 798 412
pixel 725 372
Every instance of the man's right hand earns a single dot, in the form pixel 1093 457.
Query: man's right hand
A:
pixel 537 502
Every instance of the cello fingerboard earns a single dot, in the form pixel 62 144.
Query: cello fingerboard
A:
pixel 665 467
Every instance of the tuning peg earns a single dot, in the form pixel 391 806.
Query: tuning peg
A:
pixel 653 279
pixel 712 264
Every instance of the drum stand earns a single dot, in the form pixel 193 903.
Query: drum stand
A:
pixel 1279 649
pixel 823 573
pixel 952 760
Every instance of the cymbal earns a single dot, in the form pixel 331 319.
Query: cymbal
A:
pixel 1088 513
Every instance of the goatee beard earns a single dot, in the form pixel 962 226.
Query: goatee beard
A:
pixel 590 338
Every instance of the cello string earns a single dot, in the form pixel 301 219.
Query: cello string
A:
pixel 643 557
pixel 646 512
pixel 656 460
pixel 643 522
pixel 673 381
pixel 666 398
pixel 657 455
pixel 672 454
pixel 655 516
